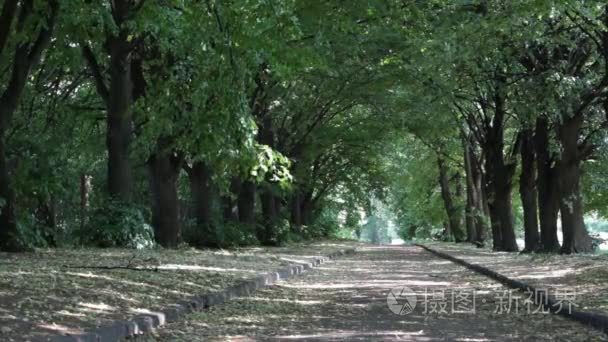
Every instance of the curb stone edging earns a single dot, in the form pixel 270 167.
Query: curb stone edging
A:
pixel 595 320
pixel 145 323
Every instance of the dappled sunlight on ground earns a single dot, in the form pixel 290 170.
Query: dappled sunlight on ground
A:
pixel 584 275
pixel 66 291
pixel 350 303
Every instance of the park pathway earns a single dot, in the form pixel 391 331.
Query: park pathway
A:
pixel 346 299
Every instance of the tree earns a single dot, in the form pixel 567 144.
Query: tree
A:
pixel 29 37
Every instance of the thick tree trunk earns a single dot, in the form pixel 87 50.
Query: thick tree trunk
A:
pixel 575 236
pixel 246 203
pixel 528 194
pixel 548 188
pixel 9 240
pixel 7 15
pixel 307 208
pixel 499 185
pixel 296 210
pixel 269 217
pixel 448 202
pixel 201 190
pixel 119 118
pixel 499 174
pixel 269 207
pixel 164 169
pixel 495 225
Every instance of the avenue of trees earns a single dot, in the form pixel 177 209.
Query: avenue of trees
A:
pixel 217 123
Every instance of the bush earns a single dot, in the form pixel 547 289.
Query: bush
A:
pixel 235 234
pixel 117 225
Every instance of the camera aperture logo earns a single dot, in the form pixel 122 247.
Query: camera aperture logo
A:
pixel 401 301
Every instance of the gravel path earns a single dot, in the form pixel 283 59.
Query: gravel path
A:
pixel 347 300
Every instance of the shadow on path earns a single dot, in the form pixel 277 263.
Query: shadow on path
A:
pixel 347 300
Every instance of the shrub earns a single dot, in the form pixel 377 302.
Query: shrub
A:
pixel 235 234
pixel 117 225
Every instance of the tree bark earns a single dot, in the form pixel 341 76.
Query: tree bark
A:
pixel 202 192
pixel 119 118
pixel 246 203
pixel 576 239
pixel 499 185
pixel 9 239
pixel 165 166
pixel 459 234
pixel 471 200
pixel 548 192
pixel 269 217
pixel 481 207
pixel 307 208
pixel 8 14
pixel 528 192
pixel 499 174
pixel 448 202
pixel 85 190
pixel 296 210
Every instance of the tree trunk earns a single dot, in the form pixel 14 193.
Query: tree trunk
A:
pixel 459 234
pixel 27 56
pixel 470 209
pixel 499 184
pixel 296 210
pixel 269 207
pixel 164 169
pixel 201 190
pixel 548 192
pixel 9 239
pixel 482 212
pixel 269 217
pixel 575 236
pixel 528 194
pixel 307 208
pixel 119 118
pixel 85 190
pixel 246 202
pixel 446 195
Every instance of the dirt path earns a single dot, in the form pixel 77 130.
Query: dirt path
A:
pixel 347 300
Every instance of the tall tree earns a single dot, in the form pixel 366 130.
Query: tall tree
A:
pixel 31 35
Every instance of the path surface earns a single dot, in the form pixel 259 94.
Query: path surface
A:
pixel 584 275
pixel 347 300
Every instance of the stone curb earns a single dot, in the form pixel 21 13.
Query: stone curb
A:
pixel 145 323
pixel 598 321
